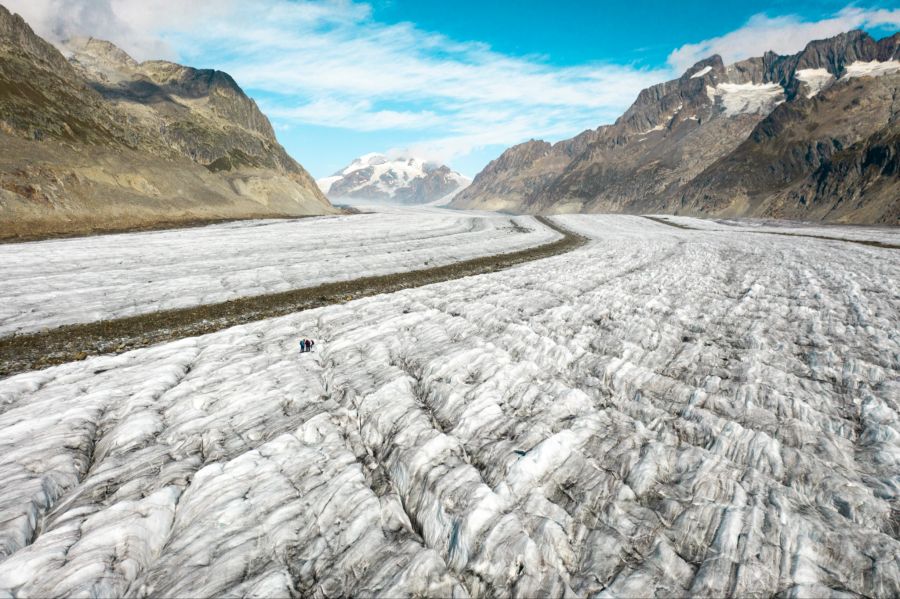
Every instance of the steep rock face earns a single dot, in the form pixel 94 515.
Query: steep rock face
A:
pixel 42 96
pixel 507 182
pixel 405 179
pixel 669 134
pixel 101 142
pixel 201 113
pixel 794 163
pixel 687 145
pixel 673 129
pixel 862 178
pixel 18 36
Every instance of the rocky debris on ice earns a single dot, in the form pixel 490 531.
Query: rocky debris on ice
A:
pixel 68 281
pixel 663 412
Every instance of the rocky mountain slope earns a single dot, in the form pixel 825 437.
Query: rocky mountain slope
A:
pixel 807 136
pixel 101 142
pixel 405 179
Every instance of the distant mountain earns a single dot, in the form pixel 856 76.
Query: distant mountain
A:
pixel 101 142
pixel 407 180
pixel 808 136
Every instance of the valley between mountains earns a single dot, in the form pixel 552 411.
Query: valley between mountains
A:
pixel 811 136
pixel 658 359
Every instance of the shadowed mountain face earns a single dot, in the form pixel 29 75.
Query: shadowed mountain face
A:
pixel 101 142
pixel 807 136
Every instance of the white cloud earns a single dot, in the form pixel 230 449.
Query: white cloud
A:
pixel 783 35
pixel 367 76
pixel 134 26
pixel 358 115
pixel 329 63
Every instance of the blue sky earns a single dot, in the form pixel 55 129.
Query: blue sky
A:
pixel 452 81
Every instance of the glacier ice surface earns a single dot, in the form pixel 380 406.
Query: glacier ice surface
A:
pixel 66 281
pixel 662 412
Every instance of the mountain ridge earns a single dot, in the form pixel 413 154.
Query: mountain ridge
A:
pixel 100 142
pixel 658 155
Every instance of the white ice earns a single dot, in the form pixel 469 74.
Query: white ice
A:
pixel 663 412
pixel 815 79
pixel 65 281
pixel 873 68
pixel 746 98
pixel 388 174
pixel 325 183
pixel 701 72
pixel 873 233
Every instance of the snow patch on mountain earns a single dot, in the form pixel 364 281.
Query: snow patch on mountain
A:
pixel 325 183
pixel 746 98
pixel 818 79
pixel 873 68
pixel 815 79
pixel 407 179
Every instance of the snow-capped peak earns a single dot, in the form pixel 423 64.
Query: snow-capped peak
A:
pixel 370 159
pixel 407 179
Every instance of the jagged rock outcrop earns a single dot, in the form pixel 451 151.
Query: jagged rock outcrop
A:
pixel 828 157
pixel 716 141
pixel 863 177
pixel 520 172
pixel 102 142
pixel 408 180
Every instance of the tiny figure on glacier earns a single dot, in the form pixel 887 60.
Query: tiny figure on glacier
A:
pixel 303 345
pixel 309 344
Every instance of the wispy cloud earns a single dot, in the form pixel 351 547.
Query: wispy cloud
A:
pixel 329 63
pixel 336 67
pixel 781 34
pixel 135 27
pixel 358 115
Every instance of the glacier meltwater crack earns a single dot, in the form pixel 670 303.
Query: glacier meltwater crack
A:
pixel 30 351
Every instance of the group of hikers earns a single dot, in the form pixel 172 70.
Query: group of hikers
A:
pixel 306 345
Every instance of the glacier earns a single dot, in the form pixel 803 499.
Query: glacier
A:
pixel 67 281
pixel 746 98
pixel 663 412
pixel 815 79
pixel 873 234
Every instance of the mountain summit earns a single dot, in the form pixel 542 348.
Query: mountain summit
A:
pixel 99 141
pixel 408 180
pixel 814 135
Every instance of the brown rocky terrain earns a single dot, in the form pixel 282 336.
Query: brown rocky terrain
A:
pixel 100 142
pixel 829 157
pixel 807 136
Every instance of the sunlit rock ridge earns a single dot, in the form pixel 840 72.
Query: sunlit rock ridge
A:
pixel 93 140
pixel 814 135
pixel 404 179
